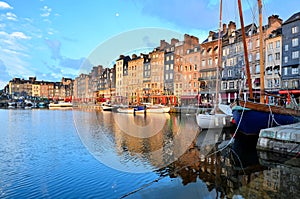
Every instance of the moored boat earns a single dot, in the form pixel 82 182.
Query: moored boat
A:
pixel 60 105
pixel 157 109
pixel 251 116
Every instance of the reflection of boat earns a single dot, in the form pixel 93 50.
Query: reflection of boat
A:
pixel 41 105
pixel 28 104
pixel 254 116
pixel 157 109
pixel 12 104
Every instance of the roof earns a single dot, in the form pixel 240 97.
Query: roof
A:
pixel 293 18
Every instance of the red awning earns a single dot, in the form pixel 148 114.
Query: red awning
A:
pixel 289 92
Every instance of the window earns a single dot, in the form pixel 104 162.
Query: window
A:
pixel 285 70
pixel 231 85
pixel 286 47
pixel 277 56
pixel 269 71
pixel 167 58
pixel 171 67
pixel 203 63
pixel 257 56
pixel 257 69
pixel 250 57
pixel 286 59
pixel 270 83
pixel 167 67
pixel 286 84
pixel 271 45
pixel 270 58
pixel 171 75
pixel 257 43
pixel 276 82
pixel 295 29
pixel 295 71
pixel 229 73
pixel 295 84
pixel 277 44
pixel 224 85
pixel 295 55
pixel 295 42
pixel 167 76
pixel 209 61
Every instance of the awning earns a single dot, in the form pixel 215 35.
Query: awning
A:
pixel 208 49
pixel 276 67
pixel 188 96
pixel 289 92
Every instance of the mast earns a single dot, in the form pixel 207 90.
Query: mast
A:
pixel 245 50
pixel 261 61
pixel 219 55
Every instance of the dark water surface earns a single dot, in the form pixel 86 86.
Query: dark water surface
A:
pixel 89 154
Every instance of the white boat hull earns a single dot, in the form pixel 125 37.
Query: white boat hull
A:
pixel 208 121
pixel 158 110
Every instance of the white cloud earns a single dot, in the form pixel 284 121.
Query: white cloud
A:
pixel 46 11
pixel 14 35
pixel 4 5
pixel 2 25
pixel 19 35
pixel 11 16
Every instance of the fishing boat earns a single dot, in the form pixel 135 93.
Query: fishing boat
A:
pixel 249 115
pixel 12 104
pixel 220 116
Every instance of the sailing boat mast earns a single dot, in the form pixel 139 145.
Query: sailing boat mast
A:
pixel 261 62
pixel 219 55
pixel 245 50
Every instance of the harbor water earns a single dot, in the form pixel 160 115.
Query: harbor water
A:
pixel 92 154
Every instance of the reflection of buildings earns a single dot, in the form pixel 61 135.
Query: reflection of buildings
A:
pixel 222 175
pixel 167 143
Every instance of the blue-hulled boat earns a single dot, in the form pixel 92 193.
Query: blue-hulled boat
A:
pixel 251 116
pixel 255 116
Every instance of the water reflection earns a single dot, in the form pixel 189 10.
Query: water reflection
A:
pixel 140 143
pixel 176 149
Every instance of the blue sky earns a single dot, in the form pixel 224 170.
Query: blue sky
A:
pixel 54 38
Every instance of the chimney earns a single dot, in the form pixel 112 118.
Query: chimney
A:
pixel 134 56
pixel 224 28
pixel 174 41
pixel 273 19
pixel 231 27
pixel 163 44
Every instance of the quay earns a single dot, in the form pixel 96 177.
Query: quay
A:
pixel 282 139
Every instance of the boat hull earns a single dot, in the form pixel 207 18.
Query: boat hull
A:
pixel 158 110
pixel 252 121
pixel 209 121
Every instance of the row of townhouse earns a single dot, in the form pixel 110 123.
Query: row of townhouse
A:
pixel 42 89
pixel 185 71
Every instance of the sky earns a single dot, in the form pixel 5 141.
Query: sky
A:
pixel 51 39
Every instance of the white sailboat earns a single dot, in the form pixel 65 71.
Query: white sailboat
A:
pixel 220 116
